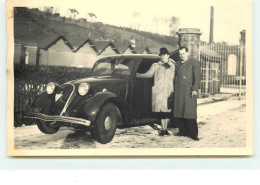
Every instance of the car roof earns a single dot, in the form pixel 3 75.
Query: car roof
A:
pixel 148 56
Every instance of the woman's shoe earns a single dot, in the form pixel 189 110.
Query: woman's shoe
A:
pixel 162 133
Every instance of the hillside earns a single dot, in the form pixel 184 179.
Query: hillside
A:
pixel 34 26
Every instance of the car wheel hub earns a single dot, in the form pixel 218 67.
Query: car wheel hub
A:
pixel 108 122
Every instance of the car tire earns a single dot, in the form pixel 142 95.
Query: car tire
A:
pixel 46 128
pixel 105 124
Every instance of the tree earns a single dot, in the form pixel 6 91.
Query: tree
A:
pixel 49 10
pixel 74 12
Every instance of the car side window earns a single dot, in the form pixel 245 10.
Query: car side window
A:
pixel 145 65
pixel 123 66
pixel 103 68
pixel 120 66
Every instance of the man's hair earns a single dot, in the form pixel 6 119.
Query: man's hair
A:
pixel 184 47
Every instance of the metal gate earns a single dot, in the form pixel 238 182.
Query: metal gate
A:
pixel 223 69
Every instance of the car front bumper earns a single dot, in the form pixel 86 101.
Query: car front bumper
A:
pixel 54 118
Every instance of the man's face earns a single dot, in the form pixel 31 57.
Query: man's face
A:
pixel 183 54
pixel 165 58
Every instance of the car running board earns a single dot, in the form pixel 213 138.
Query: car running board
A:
pixel 147 121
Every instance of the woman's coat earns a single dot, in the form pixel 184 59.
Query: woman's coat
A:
pixel 163 84
pixel 187 79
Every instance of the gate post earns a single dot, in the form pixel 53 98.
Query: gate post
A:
pixel 242 59
pixel 190 38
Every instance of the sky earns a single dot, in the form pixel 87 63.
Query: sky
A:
pixel 230 16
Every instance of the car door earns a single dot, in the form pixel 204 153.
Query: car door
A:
pixel 142 91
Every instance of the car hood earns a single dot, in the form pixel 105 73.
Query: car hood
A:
pixel 97 80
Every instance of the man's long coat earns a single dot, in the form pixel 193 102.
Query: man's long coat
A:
pixel 187 79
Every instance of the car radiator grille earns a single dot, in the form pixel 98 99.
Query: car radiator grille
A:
pixel 61 97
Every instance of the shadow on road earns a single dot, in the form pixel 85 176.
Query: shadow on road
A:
pixel 77 140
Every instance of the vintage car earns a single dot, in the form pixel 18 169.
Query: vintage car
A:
pixel 109 98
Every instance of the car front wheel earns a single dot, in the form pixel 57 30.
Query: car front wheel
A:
pixel 104 127
pixel 47 128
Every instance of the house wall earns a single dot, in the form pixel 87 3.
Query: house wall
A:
pixel 17 53
pixel 145 52
pixel 25 54
pixel 84 59
pixel 60 54
pixel 57 58
pixel 128 51
pixel 31 55
pixel 108 51
pixel 85 56
pixel 60 46
pixel 43 59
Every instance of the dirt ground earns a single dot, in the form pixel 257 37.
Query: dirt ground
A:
pixel 221 124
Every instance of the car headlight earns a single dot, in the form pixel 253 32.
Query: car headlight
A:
pixel 50 87
pixel 83 89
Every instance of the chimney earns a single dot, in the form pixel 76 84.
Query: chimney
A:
pixel 243 37
pixel 211 40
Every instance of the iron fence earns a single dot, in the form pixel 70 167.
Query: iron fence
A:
pixel 223 69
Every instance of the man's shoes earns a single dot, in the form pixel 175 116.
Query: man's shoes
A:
pixel 195 138
pixel 180 134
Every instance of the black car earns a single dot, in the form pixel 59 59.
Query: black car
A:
pixel 110 98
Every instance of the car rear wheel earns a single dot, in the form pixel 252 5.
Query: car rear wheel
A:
pixel 104 127
pixel 47 128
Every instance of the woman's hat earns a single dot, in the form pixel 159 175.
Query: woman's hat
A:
pixel 163 51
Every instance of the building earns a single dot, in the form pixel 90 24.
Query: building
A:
pixel 109 49
pixel 58 53
pixel 146 51
pixel 85 54
pixel 25 53
pixel 129 50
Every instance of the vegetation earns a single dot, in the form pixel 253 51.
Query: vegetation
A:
pixel 31 81
pixel 42 27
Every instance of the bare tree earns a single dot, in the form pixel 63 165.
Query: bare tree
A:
pixel 48 10
pixel 136 16
pixel 174 25
pixel 156 22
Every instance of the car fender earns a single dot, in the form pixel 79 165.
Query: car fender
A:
pixel 43 101
pixel 93 105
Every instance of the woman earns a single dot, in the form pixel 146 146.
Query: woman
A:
pixel 163 73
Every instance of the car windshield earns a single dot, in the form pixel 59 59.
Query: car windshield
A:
pixel 117 66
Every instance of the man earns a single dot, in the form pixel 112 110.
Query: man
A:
pixel 186 85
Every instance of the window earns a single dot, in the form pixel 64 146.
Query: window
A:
pixel 232 64
pixel 203 74
pixel 114 67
